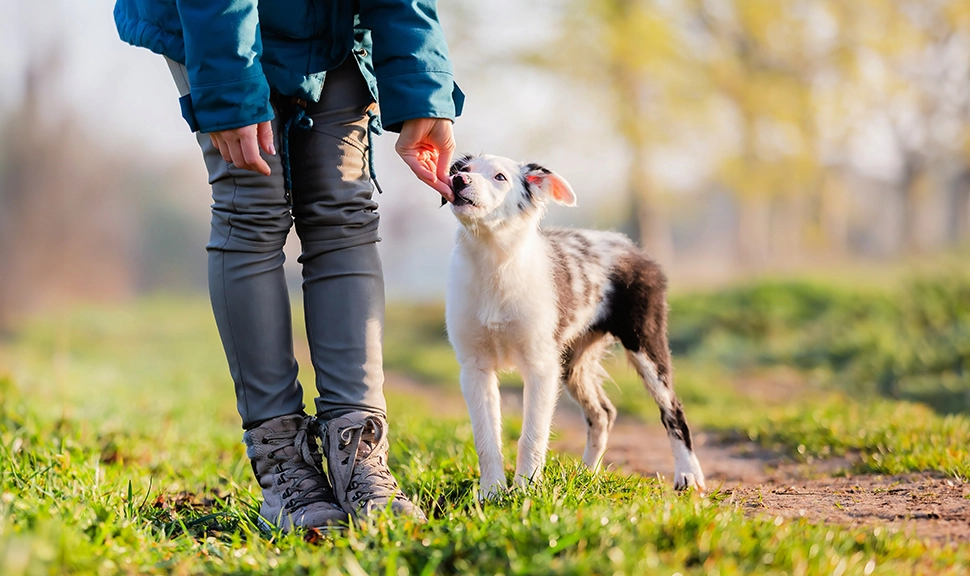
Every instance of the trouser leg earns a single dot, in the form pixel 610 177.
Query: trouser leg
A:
pixel 337 221
pixel 344 306
pixel 247 286
pixel 250 221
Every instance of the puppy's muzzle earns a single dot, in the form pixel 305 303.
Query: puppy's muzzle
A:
pixel 459 182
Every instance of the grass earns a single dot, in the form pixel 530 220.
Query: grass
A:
pixel 121 453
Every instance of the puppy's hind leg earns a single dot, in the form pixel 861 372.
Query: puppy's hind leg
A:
pixel 583 377
pixel 656 377
pixel 479 386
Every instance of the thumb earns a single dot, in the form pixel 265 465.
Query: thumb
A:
pixel 264 134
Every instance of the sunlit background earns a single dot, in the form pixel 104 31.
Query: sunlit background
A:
pixel 733 138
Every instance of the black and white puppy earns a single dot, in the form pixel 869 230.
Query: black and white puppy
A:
pixel 549 302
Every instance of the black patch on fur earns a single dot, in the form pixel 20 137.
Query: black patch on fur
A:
pixel 460 163
pixel 609 410
pixel 527 189
pixel 637 308
pixel 676 423
pixel 637 317
pixel 531 168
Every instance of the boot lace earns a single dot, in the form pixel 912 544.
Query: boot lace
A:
pixel 295 470
pixel 370 477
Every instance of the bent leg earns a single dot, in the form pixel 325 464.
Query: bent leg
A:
pixel 583 376
pixel 687 470
pixel 250 221
pixel 247 287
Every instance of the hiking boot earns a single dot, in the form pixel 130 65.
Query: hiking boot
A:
pixel 355 446
pixel 286 461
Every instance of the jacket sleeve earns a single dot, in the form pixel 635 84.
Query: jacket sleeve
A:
pixel 414 74
pixel 222 51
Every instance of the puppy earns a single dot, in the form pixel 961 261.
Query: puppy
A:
pixel 550 302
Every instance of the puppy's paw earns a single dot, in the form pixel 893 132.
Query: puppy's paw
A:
pixel 523 482
pixel 685 480
pixel 492 490
pixel 687 470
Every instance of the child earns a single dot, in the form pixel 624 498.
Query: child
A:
pixel 303 79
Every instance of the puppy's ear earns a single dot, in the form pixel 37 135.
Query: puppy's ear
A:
pixel 460 163
pixel 549 184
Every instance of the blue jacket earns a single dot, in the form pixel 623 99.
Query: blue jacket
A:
pixel 237 51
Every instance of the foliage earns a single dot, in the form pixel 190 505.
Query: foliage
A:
pixel 889 437
pixel 775 98
pixel 909 342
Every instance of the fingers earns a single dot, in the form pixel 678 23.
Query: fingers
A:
pixel 446 151
pixel 444 190
pixel 427 146
pixel 424 165
pixel 264 133
pixel 249 148
pixel 420 170
pixel 221 146
pixel 241 146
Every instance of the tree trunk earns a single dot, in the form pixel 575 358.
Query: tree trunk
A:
pixel 787 222
pixel 835 215
pixel 63 218
pixel 959 208
pixel 907 240
pixel 653 221
pixel 754 231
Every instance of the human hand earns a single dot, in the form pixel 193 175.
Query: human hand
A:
pixel 241 146
pixel 427 145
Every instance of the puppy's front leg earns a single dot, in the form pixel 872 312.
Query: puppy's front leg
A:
pixel 541 388
pixel 480 387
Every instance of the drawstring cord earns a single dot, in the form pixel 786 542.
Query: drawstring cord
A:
pixel 373 128
pixel 300 119
pixel 303 122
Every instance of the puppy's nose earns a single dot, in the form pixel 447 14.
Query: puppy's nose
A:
pixel 460 181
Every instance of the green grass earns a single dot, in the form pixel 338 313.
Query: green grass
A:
pixel 906 341
pixel 889 437
pixel 121 453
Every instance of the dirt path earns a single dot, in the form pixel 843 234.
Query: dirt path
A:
pixel 759 481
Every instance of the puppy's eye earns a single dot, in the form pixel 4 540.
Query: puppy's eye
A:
pixel 464 168
pixel 500 177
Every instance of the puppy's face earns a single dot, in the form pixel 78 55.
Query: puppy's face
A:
pixel 492 190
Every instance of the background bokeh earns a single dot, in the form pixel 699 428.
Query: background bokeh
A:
pixel 733 138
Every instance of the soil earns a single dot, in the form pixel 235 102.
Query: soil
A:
pixel 928 505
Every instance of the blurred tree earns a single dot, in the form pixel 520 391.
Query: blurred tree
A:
pixel 629 50
pixel 63 225
pixel 911 70
pixel 788 90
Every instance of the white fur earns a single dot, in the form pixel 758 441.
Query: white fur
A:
pixel 502 312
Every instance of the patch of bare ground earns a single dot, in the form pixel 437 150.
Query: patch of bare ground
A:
pixel 759 481
pixel 925 505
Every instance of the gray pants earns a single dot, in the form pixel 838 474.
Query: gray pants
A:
pixel 343 284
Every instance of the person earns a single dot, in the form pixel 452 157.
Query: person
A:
pixel 284 98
